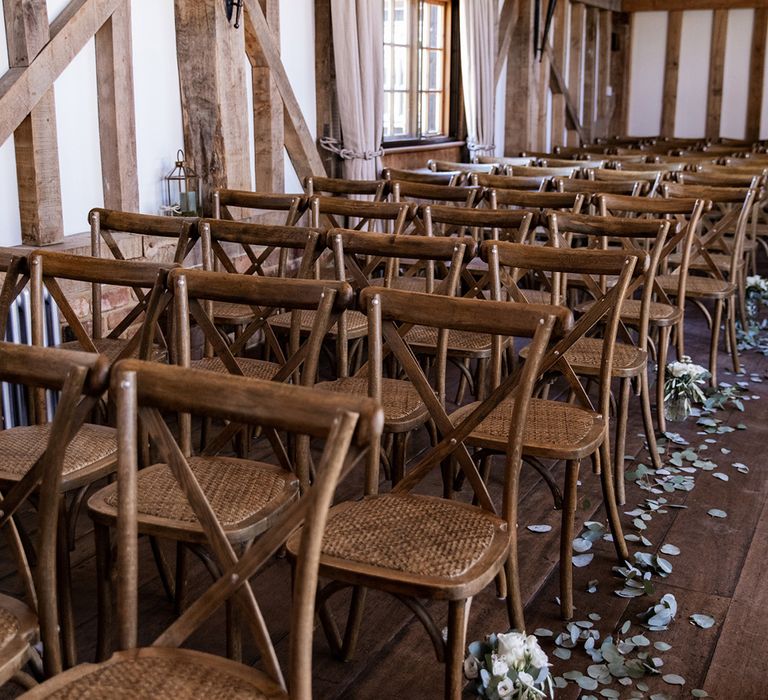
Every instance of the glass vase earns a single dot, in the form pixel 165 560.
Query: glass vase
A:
pixel 677 409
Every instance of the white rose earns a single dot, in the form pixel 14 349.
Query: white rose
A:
pixel 538 658
pixel 499 667
pixel 677 369
pixel 505 688
pixel 525 678
pixel 512 647
pixel 471 667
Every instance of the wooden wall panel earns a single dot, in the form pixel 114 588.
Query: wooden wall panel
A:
pixel 604 100
pixel 575 82
pixel 521 99
pixel 716 72
pixel 756 74
pixel 620 73
pixel 590 68
pixel 560 39
pixel 671 70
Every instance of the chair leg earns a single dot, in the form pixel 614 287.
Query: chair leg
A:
pixel 103 591
pixel 454 657
pixel 661 364
pixel 717 318
pixel 742 298
pixel 399 457
pixel 734 346
pixel 514 596
pixel 354 622
pixel 64 586
pixel 609 497
pixel 650 433
pixel 566 538
pixel 622 411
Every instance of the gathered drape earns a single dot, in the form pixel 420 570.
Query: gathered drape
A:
pixel 478 21
pixel 358 39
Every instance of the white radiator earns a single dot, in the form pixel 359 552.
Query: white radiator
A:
pixel 19 330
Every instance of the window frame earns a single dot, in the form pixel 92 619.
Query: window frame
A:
pixel 450 72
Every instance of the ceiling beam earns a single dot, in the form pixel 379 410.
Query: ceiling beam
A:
pixel 613 5
pixel 22 88
pixel 669 5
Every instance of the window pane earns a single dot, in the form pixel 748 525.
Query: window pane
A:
pixel 387 67
pixel 401 68
pixel 431 70
pixel 400 113
pixel 387 21
pixel 432 25
pixel 400 16
pixel 387 114
pixel 431 113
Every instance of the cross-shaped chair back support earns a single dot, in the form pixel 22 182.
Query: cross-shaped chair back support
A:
pixel 393 312
pixel 535 183
pixel 427 177
pixel 106 222
pixel 651 177
pixel 506 260
pixel 15 270
pixel 81 378
pixel 342 187
pixel 349 428
pixel 733 206
pixel 644 237
pixel 325 210
pixel 685 220
pixel 259 242
pixel 518 199
pixel 464 196
pixel 294 205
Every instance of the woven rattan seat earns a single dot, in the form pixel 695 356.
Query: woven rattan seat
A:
pixel 112 347
pixel 473 344
pixel 230 312
pixel 659 314
pixel 585 356
pixel 164 673
pixel 408 284
pixel 240 492
pixel 400 400
pixel 551 426
pixel 356 322
pixel 18 629
pixel 722 261
pixel 418 535
pixel 259 369
pixel 92 447
pixel 697 286
pixel 9 626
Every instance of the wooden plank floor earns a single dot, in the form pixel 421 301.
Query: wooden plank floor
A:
pixel 719 572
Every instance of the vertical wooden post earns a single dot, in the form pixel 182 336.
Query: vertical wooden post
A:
pixel 213 97
pixel 269 134
pixel 604 99
pixel 521 99
pixel 35 139
pixel 590 70
pixel 671 68
pixel 325 78
pixel 756 74
pixel 117 114
pixel 578 19
pixel 558 99
pixel 620 71
pixel 716 73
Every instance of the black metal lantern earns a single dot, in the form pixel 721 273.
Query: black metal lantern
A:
pixel 182 187
pixel 230 7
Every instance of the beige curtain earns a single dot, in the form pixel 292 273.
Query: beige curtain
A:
pixel 358 40
pixel 478 20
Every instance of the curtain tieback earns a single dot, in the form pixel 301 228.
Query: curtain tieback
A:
pixel 473 145
pixel 335 146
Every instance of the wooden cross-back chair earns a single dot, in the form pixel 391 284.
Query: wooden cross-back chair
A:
pixel 392 216
pixel 464 168
pixel 348 427
pixel 520 199
pixel 460 196
pixel 559 430
pixel 423 176
pixel 718 260
pixel 505 161
pixel 539 171
pixel 633 188
pixel 342 187
pixel 288 251
pixel 581 163
pixel 535 183
pixel 667 312
pixel 419 547
pixel 105 223
pixel 49 462
pixel 404 411
pixel 294 205
pixel 128 331
pixel 647 239
pixel 652 178
pixel 15 271
pixel 265 296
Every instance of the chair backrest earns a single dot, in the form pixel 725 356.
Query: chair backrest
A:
pixel 81 378
pixel 505 160
pixel 142 280
pixel 536 183
pixel 260 243
pixel 349 427
pixel 415 191
pixel 507 224
pixel 719 178
pixel 342 187
pixel 424 176
pixel 633 188
pixel 15 269
pixel 450 166
pixel 325 210
pixel 106 222
pixel 571 201
pixel 533 171
pixel 581 164
pixel 294 205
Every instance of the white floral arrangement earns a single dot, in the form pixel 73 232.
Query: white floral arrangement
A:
pixel 511 666
pixel 757 286
pixel 682 387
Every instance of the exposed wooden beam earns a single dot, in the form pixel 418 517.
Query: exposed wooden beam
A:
pixel 716 72
pixel 299 142
pixel 756 74
pixel 213 96
pixel 621 71
pixel 671 69
pixel 117 113
pixel 612 5
pixel 669 5
pixel 21 88
pixel 590 73
pixel 558 87
pixel 35 140
pixel 326 106
pixel 510 12
pixel 521 98
pixel 605 100
pixel 559 53
pixel 268 127
pixel 578 20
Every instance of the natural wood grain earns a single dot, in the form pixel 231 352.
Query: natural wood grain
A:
pixel 521 100
pixel 671 67
pixel 756 74
pixel 559 52
pixel 117 113
pixel 508 17
pixel 590 69
pixel 605 101
pixel 716 72
pixel 575 83
pixel 620 72
pixel 669 5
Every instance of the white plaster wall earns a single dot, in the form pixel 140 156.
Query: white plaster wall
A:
pixel 736 71
pixel 9 198
pixel 693 74
pixel 297 48
pixel 649 37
